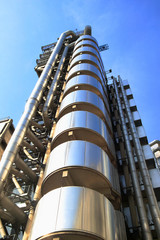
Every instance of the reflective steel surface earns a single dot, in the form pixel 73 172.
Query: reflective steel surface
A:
pixel 84 58
pixel 82 80
pixel 87 164
pixel 81 166
pixel 86 43
pixel 120 233
pixel 83 125
pixel 86 37
pixel 88 50
pixel 86 82
pixel 85 100
pixel 85 68
pixel 75 209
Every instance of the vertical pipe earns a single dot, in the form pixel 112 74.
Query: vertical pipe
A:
pixel 52 90
pixel 139 199
pixel 153 205
pixel 30 108
pixel 131 201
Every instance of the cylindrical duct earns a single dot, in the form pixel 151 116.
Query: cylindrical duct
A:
pixel 88 30
pixel 82 163
pixel 74 212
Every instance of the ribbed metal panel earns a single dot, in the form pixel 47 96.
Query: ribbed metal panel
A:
pixel 87 165
pixel 120 233
pixel 80 212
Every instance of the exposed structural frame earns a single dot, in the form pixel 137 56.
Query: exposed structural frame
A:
pixel 68 128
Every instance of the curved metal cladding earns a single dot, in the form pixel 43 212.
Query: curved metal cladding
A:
pixel 82 163
pixel 83 125
pixel 74 212
pixel 85 100
pixel 120 231
pixel 86 82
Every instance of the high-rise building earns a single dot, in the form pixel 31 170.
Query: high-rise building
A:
pixel 78 165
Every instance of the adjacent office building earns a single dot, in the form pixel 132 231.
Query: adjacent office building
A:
pixel 78 165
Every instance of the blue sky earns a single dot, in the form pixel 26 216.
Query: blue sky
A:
pixel 130 27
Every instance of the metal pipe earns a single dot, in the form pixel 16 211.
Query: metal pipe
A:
pixel 131 202
pixel 27 145
pixel 52 90
pixel 27 170
pixel 136 186
pixel 88 30
pixel 18 187
pixel 7 217
pixel 2 230
pixel 30 108
pixel 153 205
pixel 19 174
pixel 37 125
pixel 35 140
pixel 13 209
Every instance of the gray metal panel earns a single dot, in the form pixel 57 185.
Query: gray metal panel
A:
pixel 136 115
pixel 120 233
pixel 70 209
pixel 141 132
pixel 147 152
pixel 109 221
pixel 155 177
pixel 132 102
pixel 76 209
pixel 128 91
pixel 45 216
pixel 125 82
pixel 95 201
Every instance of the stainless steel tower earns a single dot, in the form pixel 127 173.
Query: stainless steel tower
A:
pixel 78 155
